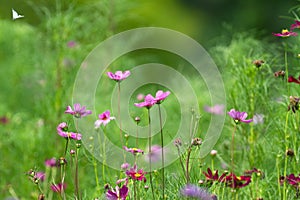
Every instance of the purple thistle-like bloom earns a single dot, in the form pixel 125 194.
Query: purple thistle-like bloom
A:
pixel 285 33
pixel 51 163
pixel 148 102
pixel 196 192
pixel 118 76
pixel 58 187
pixel 239 116
pixel 295 25
pixel 134 151
pixel 160 96
pixel 118 193
pixel 78 111
pixel 217 109
pixel 104 118
pixel 62 131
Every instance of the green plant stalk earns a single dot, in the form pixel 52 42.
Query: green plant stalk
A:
pixel 150 159
pixel 232 149
pixel 278 176
pixel 181 162
pixel 104 155
pixel 76 179
pixel 162 153
pixel 187 175
pixel 286 136
pixel 119 116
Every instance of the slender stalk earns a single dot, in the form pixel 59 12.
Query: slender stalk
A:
pixel 180 160
pixel 150 159
pixel 66 147
pixel 187 175
pixel 77 194
pixel 232 150
pixel 286 136
pixel 162 153
pixel 134 190
pixel 104 155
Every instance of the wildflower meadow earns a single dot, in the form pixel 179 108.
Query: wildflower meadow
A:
pixel 93 109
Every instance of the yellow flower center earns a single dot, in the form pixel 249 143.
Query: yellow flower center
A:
pixel 137 175
pixel 284 31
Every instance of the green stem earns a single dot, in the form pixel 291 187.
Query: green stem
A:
pixel 286 136
pixel 232 149
pixel 162 153
pixel 150 159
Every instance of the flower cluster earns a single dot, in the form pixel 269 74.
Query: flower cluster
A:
pixel 149 100
pixel 230 180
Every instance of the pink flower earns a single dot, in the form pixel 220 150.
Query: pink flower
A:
pixel 118 193
pixel 140 97
pixel 134 151
pixel 155 155
pixel 104 118
pixel 58 187
pixel 40 176
pixel 78 111
pixel 71 44
pixel 285 33
pixel 239 116
pixel 217 109
pixel 125 166
pixel 148 102
pixel 62 130
pixel 135 174
pixel 118 76
pixel 295 25
pixel 160 96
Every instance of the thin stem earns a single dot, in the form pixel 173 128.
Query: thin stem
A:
pixel 150 159
pixel 134 190
pixel 180 160
pixel 76 175
pixel 104 155
pixel 187 175
pixel 162 153
pixel 232 150
pixel 66 147
pixel 286 136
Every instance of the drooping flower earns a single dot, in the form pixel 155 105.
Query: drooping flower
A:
pixel 193 191
pixel 280 73
pixel 258 119
pixel 51 162
pixel 78 111
pixel 258 63
pixel 104 118
pixel 118 76
pixel 58 187
pixel 285 33
pixel 239 116
pixel 148 102
pixel 233 181
pixel 62 130
pixel 217 109
pixel 295 25
pixel 135 174
pixel 293 180
pixel 291 79
pixel 160 96
pixel 211 176
pixel 134 151
pixel 118 193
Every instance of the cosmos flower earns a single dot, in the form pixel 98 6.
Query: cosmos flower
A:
pixel 62 130
pixel 193 191
pixel 104 118
pixel 160 96
pixel 118 193
pixel 136 174
pixel 295 25
pixel 239 116
pixel 233 181
pixel 217 109
pixel 211 176
pixel 291 79
pixel 134 151
pixel 78 111
pixel 51 162
pixel 148 102
pixel 118 76
pixel 285 33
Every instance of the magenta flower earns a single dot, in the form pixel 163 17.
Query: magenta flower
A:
pixel 148 102
pixel 39 176
pixel 239 116
pixel 51 162
pixel 104 118
pixel 118 76
pixel 125 166
pixel 71 44
pixel 160 96
pixel 217 109
pixel 233 181
pixel 62 130
pixel 193 191
pixel 118 193
pixel 293 180
pixel 58 187
pixel 78 111
pixel 285 33
pixel 291 79
pixel 295 25
pixel 135 174
pixel 134 151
